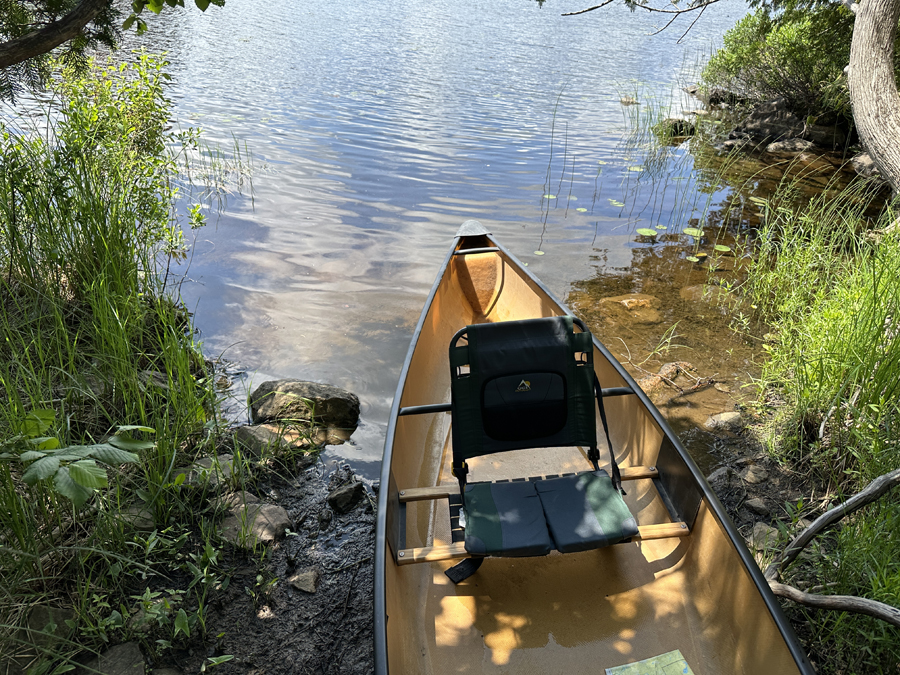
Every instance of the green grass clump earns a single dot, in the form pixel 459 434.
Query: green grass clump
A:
pixel 830 288
pixel 90 340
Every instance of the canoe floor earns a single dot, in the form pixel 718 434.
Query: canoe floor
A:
pixel 578 612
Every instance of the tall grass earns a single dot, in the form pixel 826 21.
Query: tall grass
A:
pixel 89 340
pixel 828 282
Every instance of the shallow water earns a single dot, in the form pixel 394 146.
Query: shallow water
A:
pixel 375 129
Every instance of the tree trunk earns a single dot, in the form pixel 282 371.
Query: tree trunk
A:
pixel 873 89
pixel 52 35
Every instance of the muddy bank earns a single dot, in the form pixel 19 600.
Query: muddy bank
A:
pixel 308 608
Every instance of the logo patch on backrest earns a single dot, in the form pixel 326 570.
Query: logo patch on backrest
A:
pixel 524 385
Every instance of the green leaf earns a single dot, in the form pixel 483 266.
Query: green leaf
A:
pixel 155 6
pixel 41 469
pixel 646 232
pixel 31 455
pixel 581 209
pixel 539 253
pixel 181 623
pixel 88 474
pixel 129 22
pixel 549 196
pixel 45 442
pixel 693 231
pixel 693 259
pixel 38 421
pixel 722 248
pixel 202 4
pixel 69 488
pixel 130 444
pixel 112 455
pixel 135 427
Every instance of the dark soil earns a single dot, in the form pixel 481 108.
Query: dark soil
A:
pixel 270 627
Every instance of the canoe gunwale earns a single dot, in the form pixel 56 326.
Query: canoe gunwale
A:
pixel 707 495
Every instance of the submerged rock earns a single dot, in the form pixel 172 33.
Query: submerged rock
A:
pixel 726 420
pixel 634 308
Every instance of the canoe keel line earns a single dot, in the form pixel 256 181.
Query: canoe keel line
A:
pixel 677 576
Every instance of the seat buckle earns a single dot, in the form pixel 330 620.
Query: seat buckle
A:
pixel 459 470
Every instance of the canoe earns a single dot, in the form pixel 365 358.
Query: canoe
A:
pixel 685 587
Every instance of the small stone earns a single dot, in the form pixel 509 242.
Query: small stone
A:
pixel 727 420
pixel 237 499
pixel 306 580
pixel 764 537
pixel 325 516
pixel 252 523
pixel 721 477
pixel 754 474
pixel 346 497
pixel 124 659
pixel 758 506
pixel 140 517
pixel 209 472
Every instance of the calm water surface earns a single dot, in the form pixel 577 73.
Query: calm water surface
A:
pixel 376 128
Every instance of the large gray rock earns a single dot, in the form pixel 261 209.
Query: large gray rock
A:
pixel 771 122
pixel 124 659
pixel 865 166
pixel 280 400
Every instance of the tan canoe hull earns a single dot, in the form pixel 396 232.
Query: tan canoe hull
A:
pixel 580 613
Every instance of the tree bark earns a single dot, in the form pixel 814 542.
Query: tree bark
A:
pixel 873 89
pixel 52 35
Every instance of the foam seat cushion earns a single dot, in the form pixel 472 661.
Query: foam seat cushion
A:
pixel 505 519
pixel 585 512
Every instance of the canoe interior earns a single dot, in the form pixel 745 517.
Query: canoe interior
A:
pixel 581 612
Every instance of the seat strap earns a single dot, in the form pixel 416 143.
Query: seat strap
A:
pixel 614 467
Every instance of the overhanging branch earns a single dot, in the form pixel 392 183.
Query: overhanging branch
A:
pixel 52 35
pixel 841 603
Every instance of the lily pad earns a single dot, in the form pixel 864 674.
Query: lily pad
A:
pixel 693 231
pixel 581 209
pixel 693 258
pixel 616 202
pixel 646 232
pixel 549 196
pixel 722 248
pixel 539 253
pixel 661 227
pixel 701 255
pixel 635 168
pixel 600 161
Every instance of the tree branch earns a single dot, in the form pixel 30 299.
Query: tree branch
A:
pixel 677 12
pixel 843 603
pixel 869 494
pixel 52 35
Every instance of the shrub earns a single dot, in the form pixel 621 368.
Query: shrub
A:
pixel 799 56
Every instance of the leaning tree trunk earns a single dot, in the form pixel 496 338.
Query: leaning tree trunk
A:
pixel 873 89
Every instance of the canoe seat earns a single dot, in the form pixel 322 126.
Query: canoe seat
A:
pixel 527 385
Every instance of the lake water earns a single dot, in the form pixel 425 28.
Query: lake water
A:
pixel 376 128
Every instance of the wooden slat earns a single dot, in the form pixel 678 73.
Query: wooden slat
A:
pixel 444 491
pixel 662 531
pixel 437 492
pixel 432 553
pixel 458 550
pixel 638 472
